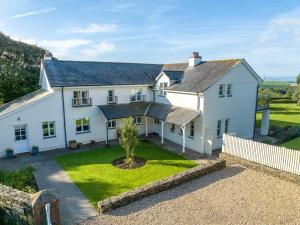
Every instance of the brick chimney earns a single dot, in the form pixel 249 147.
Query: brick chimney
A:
pixel 195 59
pixel 48 55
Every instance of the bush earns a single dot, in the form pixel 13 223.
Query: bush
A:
pixel 21 179
pixel 286 133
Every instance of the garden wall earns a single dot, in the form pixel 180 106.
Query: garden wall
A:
pixel 161 185
pixel 18 207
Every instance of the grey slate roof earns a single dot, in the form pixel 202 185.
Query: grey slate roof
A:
pixel 201 77
pixel 168 113
pixel 22 101
pixel 124 110
pixel 174 75
pixel 80 73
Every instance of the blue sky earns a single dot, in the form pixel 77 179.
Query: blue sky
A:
pixel 265 33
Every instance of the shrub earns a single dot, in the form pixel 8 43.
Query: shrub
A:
pixel 266 141
pixel 286 133
pixel 21 179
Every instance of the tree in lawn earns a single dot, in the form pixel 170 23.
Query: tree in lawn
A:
pixel 298 80
pixel 128 138
pixel 296 96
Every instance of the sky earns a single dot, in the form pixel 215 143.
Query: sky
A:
pixel 264 32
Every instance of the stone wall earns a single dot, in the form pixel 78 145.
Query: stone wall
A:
pixel 161 185
pixel 29 208
pixel 230 159
pixel 16 202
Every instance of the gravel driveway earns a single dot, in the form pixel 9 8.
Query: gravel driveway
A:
pixel 234 195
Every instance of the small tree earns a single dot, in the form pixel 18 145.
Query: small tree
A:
pixel 296 96
pixel 298 80
pixel 128 138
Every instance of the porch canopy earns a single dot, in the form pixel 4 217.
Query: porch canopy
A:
pixel 167 113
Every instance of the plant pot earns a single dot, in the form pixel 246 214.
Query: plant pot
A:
pixel 35 150
pixel 10 153
pixel 73 145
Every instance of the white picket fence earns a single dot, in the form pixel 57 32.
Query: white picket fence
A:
pixel 269 155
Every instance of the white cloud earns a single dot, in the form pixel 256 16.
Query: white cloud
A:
pixel 31 13
pixel 117 7
pixel 96 50
pixel 95 28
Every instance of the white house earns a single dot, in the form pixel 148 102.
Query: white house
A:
pixel 191 103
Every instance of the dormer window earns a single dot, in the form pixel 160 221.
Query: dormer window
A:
pixel 162 87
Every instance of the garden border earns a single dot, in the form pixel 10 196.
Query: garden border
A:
pixel 159 186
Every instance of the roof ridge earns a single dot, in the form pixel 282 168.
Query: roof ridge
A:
pixel 82 61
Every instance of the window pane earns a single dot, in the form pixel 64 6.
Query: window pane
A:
pixel 76 94
pixel 45 125
pixel 45 132
pixel 78 122
pixel 78 129
pixel 84 94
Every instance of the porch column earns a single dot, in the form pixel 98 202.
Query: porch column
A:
pixel 264 127
pixel 162 131
pixel 183 139
pixel 106 126
pixel 146 125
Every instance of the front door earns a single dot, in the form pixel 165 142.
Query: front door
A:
pixel 21 139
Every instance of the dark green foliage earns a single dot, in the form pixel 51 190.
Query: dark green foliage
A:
pixel 286 133
pixel 19 68
pixel 21 179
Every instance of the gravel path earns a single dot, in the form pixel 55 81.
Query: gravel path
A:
pixel 233 195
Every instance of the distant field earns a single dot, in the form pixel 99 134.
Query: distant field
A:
pixel 274 84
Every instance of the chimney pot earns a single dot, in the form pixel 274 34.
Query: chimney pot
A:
pixel 195 59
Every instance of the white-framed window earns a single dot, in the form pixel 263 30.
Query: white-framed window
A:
pixel 162 87
pixel 112 124
pixel 222 90
pixel 137 120
pixel 20 133
pixel 227 125
pixel 81 98
pixel 110 96
pixel 172 128
pixel 136 95
pixel 219 129
pixel 49 129
pixel 82 125
pixel 192 129
pixel 229 90
pixel 156 121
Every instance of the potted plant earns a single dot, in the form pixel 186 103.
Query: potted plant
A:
pixel 73 144
pixel 10 153
pixel 35 150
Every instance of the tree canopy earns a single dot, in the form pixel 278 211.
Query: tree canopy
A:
pixel 19 68
pixel 298 80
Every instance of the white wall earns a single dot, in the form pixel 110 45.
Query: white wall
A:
pixel 48 108
pixel 97 119
pixel 240 108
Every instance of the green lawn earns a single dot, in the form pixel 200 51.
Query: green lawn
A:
pixel 283 115
pixel 98 179
pixel 293 144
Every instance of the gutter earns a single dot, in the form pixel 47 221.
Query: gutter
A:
pixel 64 115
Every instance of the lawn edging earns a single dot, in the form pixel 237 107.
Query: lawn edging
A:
pixel 230 160
pixel 158 186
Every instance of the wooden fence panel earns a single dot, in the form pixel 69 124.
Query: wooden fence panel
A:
pixel 276 157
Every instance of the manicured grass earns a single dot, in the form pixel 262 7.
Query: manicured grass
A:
pixel 98 179
pixel 21 179
pixel 282 115
pixel 293 144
